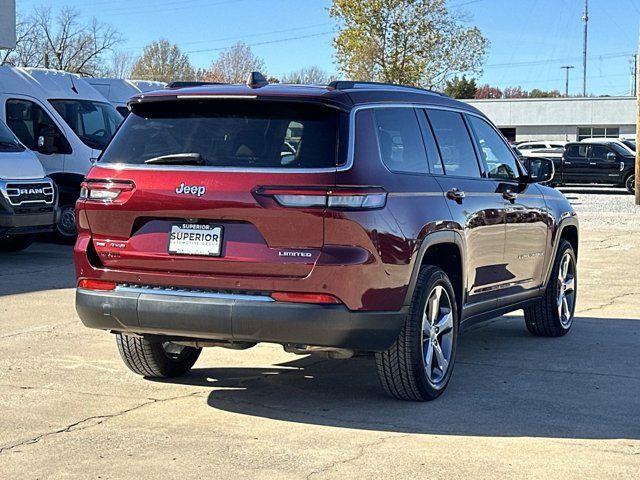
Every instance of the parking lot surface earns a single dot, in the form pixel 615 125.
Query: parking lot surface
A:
pixel 517 405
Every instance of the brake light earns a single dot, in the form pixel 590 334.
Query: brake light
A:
pixel 104 190
pixel 366 198
pixel 304 297
pixel 90 284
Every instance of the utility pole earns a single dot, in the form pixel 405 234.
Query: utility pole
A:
pixel 637 172
pixel 634 75
pixel 566 82
pixel 585 19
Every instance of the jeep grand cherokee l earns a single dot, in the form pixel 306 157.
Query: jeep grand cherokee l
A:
pixel 349 218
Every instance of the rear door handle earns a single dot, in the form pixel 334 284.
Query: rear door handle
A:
pixel 567 163
pixel 592 163
pixel 455 194
pixel 509 195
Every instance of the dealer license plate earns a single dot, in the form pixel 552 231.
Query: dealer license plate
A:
pixel 195 239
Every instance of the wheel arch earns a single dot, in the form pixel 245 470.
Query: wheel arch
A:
pixel 444 250
pixel 567 230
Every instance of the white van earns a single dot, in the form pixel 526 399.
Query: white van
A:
pixel 118 91
pixel 64 121
pixel 27 196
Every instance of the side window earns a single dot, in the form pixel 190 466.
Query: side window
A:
pixel 497 155
pixel 400 140
pixel 454 143
pixel 599 152
pixel 27 120
pixel 577 151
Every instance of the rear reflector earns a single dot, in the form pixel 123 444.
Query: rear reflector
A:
pixel 304 297
pixel 90 284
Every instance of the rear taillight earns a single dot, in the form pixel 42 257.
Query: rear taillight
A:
pixel 90 284
pixel 104 190
pixel 321 298
pixel 365 198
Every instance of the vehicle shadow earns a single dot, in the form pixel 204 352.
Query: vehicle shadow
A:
pixel 506 383
pixel 42 266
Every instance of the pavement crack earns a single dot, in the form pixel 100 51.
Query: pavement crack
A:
pixel 43 329
pixel 92 421
pixel 608 303
pixel 362 450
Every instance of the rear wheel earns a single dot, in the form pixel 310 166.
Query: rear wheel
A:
pixel 552 316
pixel 418 365
pixel 630 184
pixel 156 359
pixel 16 243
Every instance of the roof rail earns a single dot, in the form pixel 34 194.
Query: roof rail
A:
pixel 354 85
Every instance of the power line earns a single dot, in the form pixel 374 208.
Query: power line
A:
pixel 269 42
pixel 555 60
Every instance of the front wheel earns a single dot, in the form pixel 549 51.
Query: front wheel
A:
pixel 418 365
pixel 552 316
pixel 156 359
pixel 66 231
pixel 630 184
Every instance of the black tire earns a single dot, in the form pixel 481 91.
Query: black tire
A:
pixel 66 231
pixel 402 369
pixel 153 360
pixel 16 243
pixel 630 184
pixel 545 318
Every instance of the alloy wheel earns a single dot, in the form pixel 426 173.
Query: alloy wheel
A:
pixel 566 289
pixel 437 335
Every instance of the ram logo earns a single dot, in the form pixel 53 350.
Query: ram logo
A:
pixel 31 191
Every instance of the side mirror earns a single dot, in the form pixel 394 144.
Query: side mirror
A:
pixel 47 141
pixel 541 170
pixel 611 157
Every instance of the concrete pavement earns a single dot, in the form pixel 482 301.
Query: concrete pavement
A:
pixel 517 406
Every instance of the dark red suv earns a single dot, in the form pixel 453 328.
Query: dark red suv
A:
pixel 339 219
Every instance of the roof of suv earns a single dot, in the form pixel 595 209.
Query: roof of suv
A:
pixel 345 97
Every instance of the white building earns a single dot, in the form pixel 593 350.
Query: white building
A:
pixel 567 119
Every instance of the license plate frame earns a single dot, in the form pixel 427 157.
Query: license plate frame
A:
pixel 188 244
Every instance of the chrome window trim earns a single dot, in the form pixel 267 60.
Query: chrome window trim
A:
pixel 193 294
pixel 340 168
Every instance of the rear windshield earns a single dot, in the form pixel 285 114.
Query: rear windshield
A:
pixel 230 133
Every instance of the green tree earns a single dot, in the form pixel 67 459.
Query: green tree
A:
pixel 414 42
pixel 163 62
pixel 537 93
pixel 461 87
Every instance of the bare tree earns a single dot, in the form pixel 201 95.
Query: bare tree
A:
pixel 73 46
pixel 121 66
pixel 28 51
pixel 62 41
pixel 234 65
pixel 309 76
pixel 163 61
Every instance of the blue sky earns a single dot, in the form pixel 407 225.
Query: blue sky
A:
pixel 530 39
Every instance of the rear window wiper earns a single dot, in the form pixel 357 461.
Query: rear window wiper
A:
pixel 177 159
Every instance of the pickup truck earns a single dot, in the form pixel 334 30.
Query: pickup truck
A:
pixel 602 163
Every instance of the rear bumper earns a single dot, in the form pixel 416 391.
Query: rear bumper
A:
pixel 243 318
